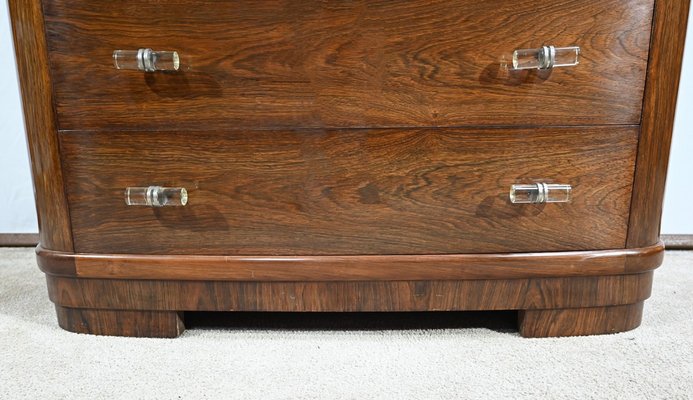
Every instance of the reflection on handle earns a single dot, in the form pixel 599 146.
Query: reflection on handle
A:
pixel 538 193
pixel 156 196
pixel 146 60
pixel 546 57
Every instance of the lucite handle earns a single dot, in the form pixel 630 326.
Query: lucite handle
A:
pixel 538 193
pixel 156 196
pixel 546 57
pixel 146 60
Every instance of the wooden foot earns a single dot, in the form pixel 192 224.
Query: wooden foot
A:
pixel 160 324
pixel 579 321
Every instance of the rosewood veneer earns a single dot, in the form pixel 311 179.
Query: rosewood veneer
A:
pixel 349 156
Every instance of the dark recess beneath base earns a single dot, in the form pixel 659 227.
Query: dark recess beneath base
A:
pixel 502 321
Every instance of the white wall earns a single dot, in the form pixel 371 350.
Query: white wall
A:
pixel 17 213
pixel 17 209
pixel 677 217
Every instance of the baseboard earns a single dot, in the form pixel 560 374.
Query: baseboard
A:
pixel 678 242
pixel 18 239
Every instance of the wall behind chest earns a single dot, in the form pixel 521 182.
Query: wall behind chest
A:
pixel 17 210
pixel 678 207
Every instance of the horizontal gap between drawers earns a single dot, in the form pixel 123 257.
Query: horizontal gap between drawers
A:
pixel 308 129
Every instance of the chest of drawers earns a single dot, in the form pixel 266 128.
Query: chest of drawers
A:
pixel 349 156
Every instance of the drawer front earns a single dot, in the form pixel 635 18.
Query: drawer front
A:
pixel 384 191
pixel 274 64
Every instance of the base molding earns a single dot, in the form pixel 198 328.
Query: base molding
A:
pixel 579 321
pixel 446 295
pixel 352 268
pixel 152 308
pixel 162 324
pixel 555 294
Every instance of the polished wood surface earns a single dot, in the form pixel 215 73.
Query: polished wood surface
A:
pixel 338 192
pixel 350 268
pixel 40 123
pixel 272 64
pixel 663 74
pixel 580 321
pixel 94 297
pixel 349 157
pixel 444 295
pixel 163 324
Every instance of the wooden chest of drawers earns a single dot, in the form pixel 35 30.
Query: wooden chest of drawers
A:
pixel 349 156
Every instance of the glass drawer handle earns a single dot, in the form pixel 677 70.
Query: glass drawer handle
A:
pixel 156 196
pixel 538 193
pixel 546 57
pixel 146 60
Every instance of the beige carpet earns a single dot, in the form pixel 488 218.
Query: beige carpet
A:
pixel 352 357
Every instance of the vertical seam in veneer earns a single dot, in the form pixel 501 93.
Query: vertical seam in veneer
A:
pixel 642 113
pixel 649 59
pixel 54 109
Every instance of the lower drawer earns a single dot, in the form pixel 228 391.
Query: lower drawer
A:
pixel 350 191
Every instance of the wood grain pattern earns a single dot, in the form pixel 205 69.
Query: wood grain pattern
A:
pixel 664 70
pixel 55 262
pixel 445 295
pixel 90 305
pixel 580 321
pixel 349 268
pixel 350 191
pixel 40 123
pixel 289 211
pixel 272 64
pixel 159 324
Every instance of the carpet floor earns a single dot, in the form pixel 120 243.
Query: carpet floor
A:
pixel 352 356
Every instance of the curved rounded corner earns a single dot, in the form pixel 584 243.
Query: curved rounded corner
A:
pixel 337 268
pixel 55 262
pixel 645 259
pixel 130 323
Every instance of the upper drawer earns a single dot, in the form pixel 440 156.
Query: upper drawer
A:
pixel 261 64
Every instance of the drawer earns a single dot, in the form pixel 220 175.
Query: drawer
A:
pixel 330 64
pixel 380 191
